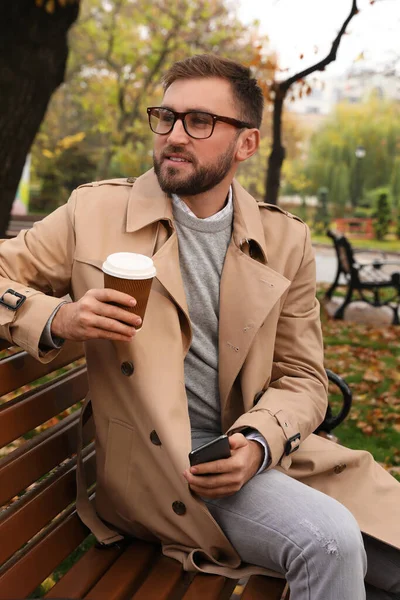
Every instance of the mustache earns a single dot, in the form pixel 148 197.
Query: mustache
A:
pixel 177 150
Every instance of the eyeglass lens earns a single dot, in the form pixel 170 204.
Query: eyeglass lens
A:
pixel 197 124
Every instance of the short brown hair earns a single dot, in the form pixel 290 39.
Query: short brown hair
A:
pixel 245 88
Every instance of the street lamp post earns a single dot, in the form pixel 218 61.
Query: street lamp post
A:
pixel 360 153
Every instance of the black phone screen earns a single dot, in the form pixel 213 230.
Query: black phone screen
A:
pixel 214 450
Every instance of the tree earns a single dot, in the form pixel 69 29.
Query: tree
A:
pixel 33 55
pixel 382 215
pixel 374 125
pixel 120 51
pixel 339 191
pixel 395 183
pixel 276 92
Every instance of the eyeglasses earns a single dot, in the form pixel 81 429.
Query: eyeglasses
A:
pixel 197 124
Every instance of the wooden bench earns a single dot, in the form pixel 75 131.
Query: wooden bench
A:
pixel 357 227
pixel 19 222
pixel 39 526
pixel 370 279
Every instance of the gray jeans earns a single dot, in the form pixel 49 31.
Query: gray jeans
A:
pixel 279 523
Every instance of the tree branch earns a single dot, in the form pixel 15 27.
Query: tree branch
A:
pixel 285 85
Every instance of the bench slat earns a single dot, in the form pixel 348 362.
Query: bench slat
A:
pixel 80 579
pixel 4 344
pixel 260 587
pixel 41 560
pixel 41 507
pixel 210 586
pixel 162 580
pixel 126 574
pixel 19 369
pixel 17 418
pixel 19 471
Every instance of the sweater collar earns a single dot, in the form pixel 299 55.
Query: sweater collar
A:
pixel 148 204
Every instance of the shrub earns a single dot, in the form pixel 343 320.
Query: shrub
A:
pixel 382 215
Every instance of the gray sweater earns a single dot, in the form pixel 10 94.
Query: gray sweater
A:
pixel 202 248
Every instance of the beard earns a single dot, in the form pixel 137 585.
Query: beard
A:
pixel 202 179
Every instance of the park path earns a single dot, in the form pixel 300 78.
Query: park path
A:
pixel 326 262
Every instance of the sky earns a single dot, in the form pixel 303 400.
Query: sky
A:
pixel 308 27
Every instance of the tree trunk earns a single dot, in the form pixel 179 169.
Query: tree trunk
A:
pixel 33 55
pixel 277 155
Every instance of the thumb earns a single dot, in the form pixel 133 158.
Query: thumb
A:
pixel 237 440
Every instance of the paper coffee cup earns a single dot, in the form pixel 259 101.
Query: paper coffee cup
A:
pixel 132 274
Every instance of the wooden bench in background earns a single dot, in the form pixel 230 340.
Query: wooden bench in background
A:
pixel 371 280
pixel 39 526
pixel 18 222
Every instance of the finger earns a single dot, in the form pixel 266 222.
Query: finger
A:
pixel 112 326
pixel 103 334
pixel 210 481
pixel 223 465
pixel 110 295
pixel 237 440
pixel 116 313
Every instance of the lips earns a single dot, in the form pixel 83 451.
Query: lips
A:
pixel 176 158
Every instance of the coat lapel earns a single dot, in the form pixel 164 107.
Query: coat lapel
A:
pixel 249 290
pixel 149 206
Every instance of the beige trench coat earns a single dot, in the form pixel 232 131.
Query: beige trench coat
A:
pixel 269 340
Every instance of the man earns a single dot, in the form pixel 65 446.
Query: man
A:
pixel 231 342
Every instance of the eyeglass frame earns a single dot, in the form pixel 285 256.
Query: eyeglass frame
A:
pixel 180 116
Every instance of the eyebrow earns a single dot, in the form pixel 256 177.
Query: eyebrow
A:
pixel 196 109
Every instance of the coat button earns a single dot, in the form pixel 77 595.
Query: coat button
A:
pixel 131 179
pixel 127 368
pixel 179 508
pixel 339 468
pixel 257 397
pixel 154 438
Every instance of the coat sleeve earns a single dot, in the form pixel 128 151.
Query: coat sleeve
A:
pixel 36 264
pixel 295 402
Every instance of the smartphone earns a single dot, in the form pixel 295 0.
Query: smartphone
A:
pixel 214 450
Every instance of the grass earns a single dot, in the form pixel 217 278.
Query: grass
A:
pixel 368 358
pixel 391 245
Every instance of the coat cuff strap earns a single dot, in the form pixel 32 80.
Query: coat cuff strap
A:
pixel 292 433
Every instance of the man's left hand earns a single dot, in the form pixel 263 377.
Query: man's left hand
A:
pixel 227 476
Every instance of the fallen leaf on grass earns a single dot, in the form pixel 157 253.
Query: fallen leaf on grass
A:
pixel 365 428
pixel 373 376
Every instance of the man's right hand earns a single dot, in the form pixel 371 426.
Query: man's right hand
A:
pixel 94 317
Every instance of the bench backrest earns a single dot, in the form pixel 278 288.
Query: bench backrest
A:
pixel 39 526
pixel 344 253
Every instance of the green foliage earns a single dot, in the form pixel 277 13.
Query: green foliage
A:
pixel 118 52
pixel 382 215
pixel 340 185
pixel 398 226
pixel 395 182
pixel 321 218
pixel 363 212
pixel 59 175
pixel 372 197
pixel 332 162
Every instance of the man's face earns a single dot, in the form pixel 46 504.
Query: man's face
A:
pixel 188 166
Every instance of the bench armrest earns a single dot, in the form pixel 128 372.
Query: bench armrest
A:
pixel 331 421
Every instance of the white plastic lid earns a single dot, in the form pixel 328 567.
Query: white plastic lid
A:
pixel 128 265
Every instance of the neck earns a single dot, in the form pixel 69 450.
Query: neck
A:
pixel 209 203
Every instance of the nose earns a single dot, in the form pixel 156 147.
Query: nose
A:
pixel 178 135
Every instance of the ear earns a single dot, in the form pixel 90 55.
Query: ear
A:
pixel 248 143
